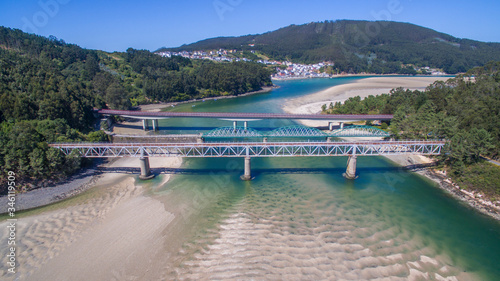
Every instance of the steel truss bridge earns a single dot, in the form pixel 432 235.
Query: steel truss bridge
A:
pixel 251 149
pixel 295 132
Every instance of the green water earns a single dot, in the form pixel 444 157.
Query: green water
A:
pixel 299 218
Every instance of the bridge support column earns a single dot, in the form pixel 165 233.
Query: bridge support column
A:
pixel 245 124
pixel 235 124
pixel 145 124
pixel 330 126
pixel 350 172
pixel 145 170
pixel 248 174
pixel 155 124
pixel 109 120
pixel 341 125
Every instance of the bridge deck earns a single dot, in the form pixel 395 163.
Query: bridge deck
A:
pixel 240 115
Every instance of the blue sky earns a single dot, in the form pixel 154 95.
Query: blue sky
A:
pixel 113 25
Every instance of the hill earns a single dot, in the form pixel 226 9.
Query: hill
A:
pixel 48 90
pixel 357 46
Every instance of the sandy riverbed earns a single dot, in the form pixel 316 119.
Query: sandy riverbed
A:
pixel 105 237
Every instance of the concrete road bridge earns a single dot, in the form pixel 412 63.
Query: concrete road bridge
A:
pixel 236 117
pixel 247 150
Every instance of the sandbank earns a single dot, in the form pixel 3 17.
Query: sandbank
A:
pixel 115 234
pixel 311 104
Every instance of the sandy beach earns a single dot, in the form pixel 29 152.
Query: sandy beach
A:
pixel 104 237
pixel 311 104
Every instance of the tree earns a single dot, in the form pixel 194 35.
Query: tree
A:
pixel 97 136
pixel 116 98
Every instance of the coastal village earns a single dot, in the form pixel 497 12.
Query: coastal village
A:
pixel 284 70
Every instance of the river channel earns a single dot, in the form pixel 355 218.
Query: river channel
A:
pixel 299 219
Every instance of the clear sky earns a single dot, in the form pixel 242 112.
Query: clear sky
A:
pixel 113 25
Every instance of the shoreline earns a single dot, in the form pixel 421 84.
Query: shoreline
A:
pixel 360 75
pixel 84 180
pixel 364 87
pixel 423 166
pixel 156 107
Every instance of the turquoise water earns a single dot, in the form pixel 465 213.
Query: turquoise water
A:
pixel 300 219
pixel 271 102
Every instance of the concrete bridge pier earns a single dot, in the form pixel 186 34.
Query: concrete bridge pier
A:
pixel 145 124
pixel 350 172
pixel 145 169
pixel 247 176
pixel 330 125
pixel 155 124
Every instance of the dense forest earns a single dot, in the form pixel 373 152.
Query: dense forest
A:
pixel 362 46
pixel 164 79
pixel 464 110
pixel 48 89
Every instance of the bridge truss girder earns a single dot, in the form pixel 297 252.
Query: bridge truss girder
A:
pixel 233 132
pixel 253 149
pixel 296 131
pixel 359 131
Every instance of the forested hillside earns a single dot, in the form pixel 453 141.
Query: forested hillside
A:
pixel 48 90
pixel 362 46
pixel 464 110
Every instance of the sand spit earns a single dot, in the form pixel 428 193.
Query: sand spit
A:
pixel 111 236
pixel 311 104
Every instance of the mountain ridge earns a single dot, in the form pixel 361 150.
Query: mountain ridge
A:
pixel 359 46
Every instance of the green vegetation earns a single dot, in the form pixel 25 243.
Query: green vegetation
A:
pixel 48 90
pixel 465 110
pixel 175 79
pixel 361 46
pixel 480 177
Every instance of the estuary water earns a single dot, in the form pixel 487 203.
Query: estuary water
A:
pixel 299 219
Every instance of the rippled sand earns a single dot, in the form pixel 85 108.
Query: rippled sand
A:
pixel 110 232
pixel 310 234
pixel 277 227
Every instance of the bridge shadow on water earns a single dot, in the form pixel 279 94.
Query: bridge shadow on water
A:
pixel 257 171
pixel 167 130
